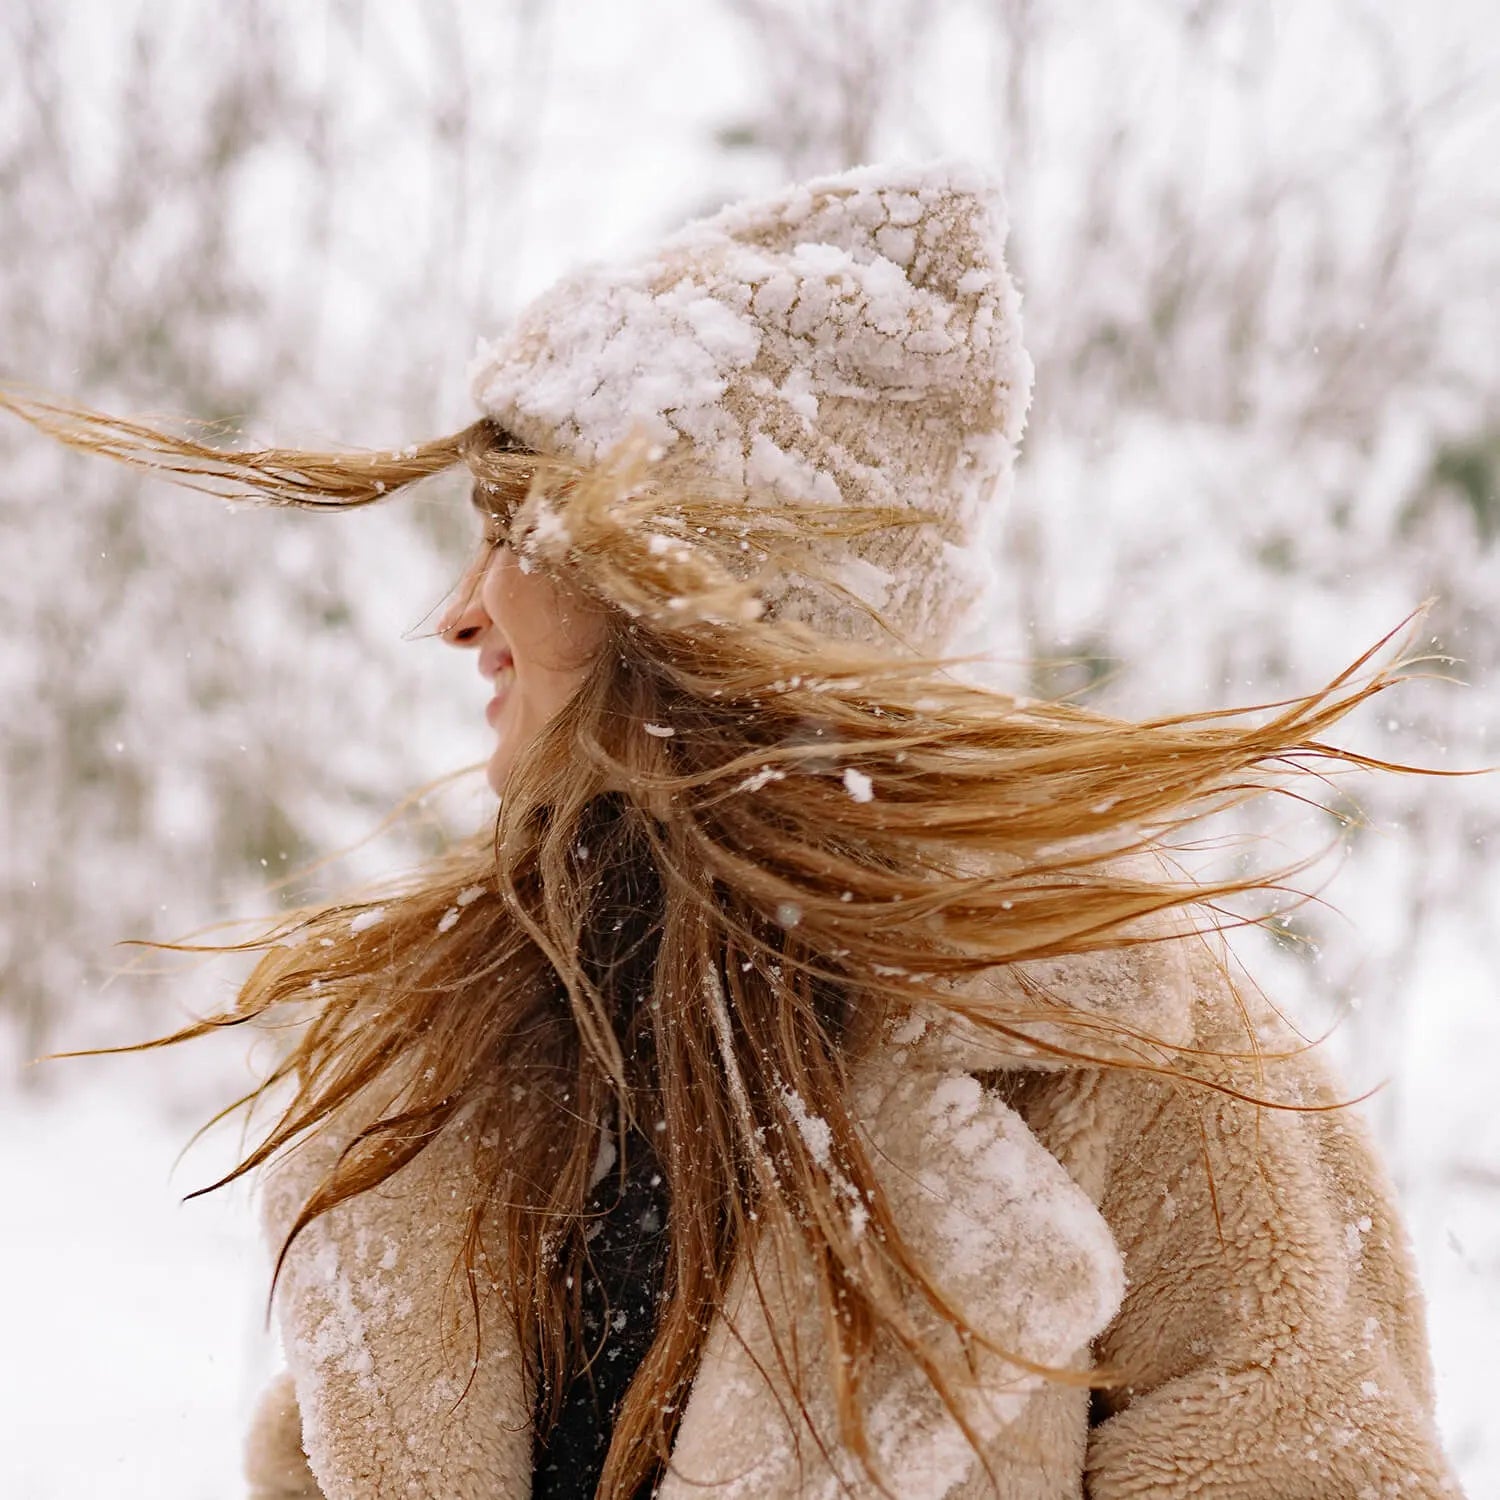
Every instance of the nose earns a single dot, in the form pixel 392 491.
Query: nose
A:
pixel 465 620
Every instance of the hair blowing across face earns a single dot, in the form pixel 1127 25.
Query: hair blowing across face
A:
pixel 694 931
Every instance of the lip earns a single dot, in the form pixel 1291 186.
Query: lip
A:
pixel 493 707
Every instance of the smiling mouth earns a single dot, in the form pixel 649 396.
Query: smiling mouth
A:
pixel 503 681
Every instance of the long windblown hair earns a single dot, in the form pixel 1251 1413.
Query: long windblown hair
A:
pixel 739 850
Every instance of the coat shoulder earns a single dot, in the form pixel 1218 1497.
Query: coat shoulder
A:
pixel 1272 1338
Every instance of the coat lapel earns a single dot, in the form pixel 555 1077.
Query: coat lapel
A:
pixel 1005 1232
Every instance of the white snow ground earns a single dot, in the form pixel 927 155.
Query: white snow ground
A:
pixel 137 1319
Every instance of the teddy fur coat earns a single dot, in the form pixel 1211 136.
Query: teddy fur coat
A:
pixel 1243 1269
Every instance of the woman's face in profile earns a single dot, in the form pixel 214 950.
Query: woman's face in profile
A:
pixel 536 641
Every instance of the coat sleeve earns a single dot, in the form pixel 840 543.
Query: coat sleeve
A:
pixel 1272 1337
pixel 275 1464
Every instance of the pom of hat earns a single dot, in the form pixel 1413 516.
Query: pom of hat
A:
pixel 855 339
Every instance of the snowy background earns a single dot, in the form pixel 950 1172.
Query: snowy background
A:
pixel 1259 245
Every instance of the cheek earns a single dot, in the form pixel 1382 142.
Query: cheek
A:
pixel 546 628
pixel 503 593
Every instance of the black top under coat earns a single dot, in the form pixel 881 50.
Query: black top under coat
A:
pixel 619 1301
pixel 626 1229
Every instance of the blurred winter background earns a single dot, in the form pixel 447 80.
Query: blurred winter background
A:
pixel 1259 245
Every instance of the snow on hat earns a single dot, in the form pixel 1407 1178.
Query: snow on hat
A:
pixel 854 339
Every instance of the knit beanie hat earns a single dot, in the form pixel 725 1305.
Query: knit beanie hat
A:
pixel 853 340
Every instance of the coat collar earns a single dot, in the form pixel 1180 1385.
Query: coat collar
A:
pixel 1004 1231
pixel 394 1403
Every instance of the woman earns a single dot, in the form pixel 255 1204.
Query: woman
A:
pixel 816 1082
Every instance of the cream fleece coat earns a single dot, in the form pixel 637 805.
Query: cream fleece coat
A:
pixel 1245 1269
